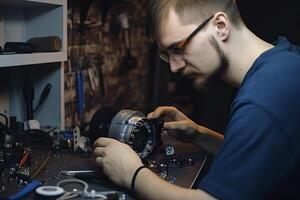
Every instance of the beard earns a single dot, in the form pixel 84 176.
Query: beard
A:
pixel 201 82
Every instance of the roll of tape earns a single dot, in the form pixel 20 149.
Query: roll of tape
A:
pixel 49 191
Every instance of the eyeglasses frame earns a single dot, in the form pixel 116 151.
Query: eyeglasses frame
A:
pixel 179 47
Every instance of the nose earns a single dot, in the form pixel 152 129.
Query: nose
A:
pixel 176 64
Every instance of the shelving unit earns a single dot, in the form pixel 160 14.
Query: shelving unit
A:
pixel 31 59
pixel 31 3
pixel 22 20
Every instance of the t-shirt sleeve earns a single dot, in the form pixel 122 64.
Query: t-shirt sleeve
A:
pixel 250 161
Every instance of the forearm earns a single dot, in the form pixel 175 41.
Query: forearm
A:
pixel 209 140
pixel 149 186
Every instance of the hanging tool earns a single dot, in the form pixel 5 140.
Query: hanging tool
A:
pixel 101 82
pixel 43 96
pixel 104 6
pixel 80 91
pixel 28 94
pixel 75 172
pixel 128 62
pixel 95 74
pixel 83 6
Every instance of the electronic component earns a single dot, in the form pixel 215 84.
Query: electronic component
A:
pixel 128 126
pixel 80 142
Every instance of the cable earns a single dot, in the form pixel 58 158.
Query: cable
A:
pixel 26 190
pixel 85 192
pixel 36 172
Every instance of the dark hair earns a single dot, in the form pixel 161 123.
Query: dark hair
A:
pixel 190 11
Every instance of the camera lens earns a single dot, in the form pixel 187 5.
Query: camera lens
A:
pixel 128 126
pixel 100 122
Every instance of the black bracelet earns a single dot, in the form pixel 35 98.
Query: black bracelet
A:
pixel 135 175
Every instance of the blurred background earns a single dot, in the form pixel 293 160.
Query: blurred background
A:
pixel 107 45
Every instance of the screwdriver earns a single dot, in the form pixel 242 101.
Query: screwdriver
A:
pixel 77 172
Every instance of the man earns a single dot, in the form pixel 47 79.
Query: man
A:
pixel 260 154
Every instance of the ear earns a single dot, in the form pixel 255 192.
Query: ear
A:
pixel 222 25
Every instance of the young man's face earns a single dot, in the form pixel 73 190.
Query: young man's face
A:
pixel 202 57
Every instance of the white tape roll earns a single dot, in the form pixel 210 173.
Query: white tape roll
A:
pixel 49 190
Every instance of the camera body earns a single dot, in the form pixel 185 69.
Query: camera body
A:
pixel 128 126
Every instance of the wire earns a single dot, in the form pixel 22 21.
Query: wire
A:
pixel 84 192
pixel 24 158
pixel 41 167
pixel 26 190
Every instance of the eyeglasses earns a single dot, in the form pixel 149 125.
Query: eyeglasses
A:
pixel 178 48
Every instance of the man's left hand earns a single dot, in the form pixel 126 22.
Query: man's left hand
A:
pixel 117 160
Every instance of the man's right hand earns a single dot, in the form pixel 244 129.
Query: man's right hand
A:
pixel 177 123
pixel 183 128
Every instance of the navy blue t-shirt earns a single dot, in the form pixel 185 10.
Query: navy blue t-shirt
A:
pixel 260 155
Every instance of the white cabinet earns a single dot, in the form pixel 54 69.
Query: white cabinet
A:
pixel 21 20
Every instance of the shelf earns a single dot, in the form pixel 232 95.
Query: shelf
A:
pixel 31 59
pixel 54 2
pixel 20 21
pixel 31 3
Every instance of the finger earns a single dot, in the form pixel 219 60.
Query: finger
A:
pixel 99 151
pixel 150 115
pixel 181 125
pixel 156 113
pixel 161 111
pixel 99 161
pixel 102 142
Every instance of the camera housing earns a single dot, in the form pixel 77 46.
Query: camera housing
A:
pixel 128 126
